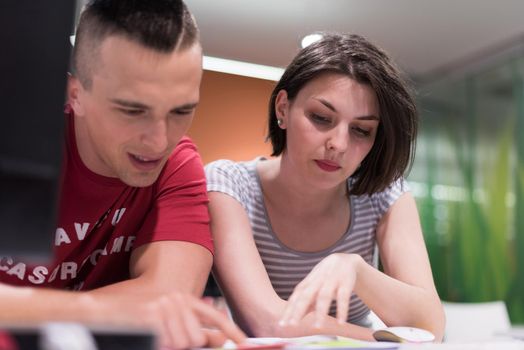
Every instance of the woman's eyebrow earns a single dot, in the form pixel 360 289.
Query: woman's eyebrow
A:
pixel 331 107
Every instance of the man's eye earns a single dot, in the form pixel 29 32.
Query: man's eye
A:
pixel 183 111
pixel 132 112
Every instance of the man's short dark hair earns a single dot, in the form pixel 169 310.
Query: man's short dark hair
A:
pixel 354 56
pixel 161 25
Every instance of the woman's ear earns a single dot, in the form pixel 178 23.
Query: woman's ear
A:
pixel 282 108
pixel 74 92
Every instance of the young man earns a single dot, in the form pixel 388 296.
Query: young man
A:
pixel 133 236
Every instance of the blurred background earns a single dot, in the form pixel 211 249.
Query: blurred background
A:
pixel 465 59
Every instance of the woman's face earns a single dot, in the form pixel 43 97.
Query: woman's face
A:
pixel 331 126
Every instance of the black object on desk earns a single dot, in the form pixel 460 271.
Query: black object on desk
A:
pixel 32 338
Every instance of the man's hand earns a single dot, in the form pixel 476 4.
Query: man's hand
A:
pixel 184 321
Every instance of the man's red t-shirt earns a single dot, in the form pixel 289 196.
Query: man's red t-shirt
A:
pixel 101 220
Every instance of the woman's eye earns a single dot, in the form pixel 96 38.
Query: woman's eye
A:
pixel 320 119
pixel 362 132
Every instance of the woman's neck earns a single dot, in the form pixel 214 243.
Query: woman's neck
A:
pixel 304 218
pixel 283 188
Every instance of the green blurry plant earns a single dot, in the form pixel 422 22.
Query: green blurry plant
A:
pixel 478 255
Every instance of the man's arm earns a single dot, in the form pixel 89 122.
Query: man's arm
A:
pixel 162 267
pixel 175 272
pixel 161 295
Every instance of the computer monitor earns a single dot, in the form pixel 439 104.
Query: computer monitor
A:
pixel 34 39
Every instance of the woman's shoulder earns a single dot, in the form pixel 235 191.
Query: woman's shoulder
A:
pixel 237 179
pixel 237 174
pixel 398 186
pixel 385 199
pixel 382 200
pixel 230 167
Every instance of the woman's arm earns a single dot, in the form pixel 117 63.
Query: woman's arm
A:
pixel 404 295
pixel 411 295
pixel 245 282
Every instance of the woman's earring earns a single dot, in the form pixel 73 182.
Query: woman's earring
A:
pixel 279 122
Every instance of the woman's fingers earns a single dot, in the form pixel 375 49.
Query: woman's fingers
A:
pixel 331 279
pixel 325 296
pixel 343 300
pixel 299 303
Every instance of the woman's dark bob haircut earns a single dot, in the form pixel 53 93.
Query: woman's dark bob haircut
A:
pixel 354 56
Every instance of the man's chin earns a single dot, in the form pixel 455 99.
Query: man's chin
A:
pixel 139 180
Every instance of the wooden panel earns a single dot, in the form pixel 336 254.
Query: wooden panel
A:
pixel 231 118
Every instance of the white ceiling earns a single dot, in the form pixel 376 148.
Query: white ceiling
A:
pixel 424 36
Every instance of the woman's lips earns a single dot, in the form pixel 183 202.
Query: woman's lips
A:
pixel 327 165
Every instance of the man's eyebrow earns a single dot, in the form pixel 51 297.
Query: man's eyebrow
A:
pixel 185 107
pixel 331 107
pixel 138 105
pixel 129 104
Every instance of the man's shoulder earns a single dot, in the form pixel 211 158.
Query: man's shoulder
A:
pixel 185 144
pixel 184 151
pixel 184 163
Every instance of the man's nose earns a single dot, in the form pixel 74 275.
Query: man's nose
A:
pixel 155 136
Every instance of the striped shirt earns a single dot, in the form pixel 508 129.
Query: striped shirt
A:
pixel 287 267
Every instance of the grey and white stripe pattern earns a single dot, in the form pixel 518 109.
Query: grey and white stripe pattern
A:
pixel 286 267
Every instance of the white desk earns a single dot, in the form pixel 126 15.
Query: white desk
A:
pixel 487 345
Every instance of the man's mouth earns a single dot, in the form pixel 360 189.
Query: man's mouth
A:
pixel 144 163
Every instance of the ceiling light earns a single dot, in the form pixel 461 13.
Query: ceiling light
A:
pixel 310 39
pixel 242 68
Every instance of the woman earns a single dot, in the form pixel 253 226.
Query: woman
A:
pixel 295 232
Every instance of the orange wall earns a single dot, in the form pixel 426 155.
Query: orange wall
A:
pixel 230 121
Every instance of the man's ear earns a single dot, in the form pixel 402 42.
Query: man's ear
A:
pixel 74 94
pixel 282 108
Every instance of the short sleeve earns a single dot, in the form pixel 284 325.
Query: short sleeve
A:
pixel 179 211
pixel 228 177
pixel 382 201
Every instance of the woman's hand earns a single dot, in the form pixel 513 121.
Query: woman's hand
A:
pixel 333 278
